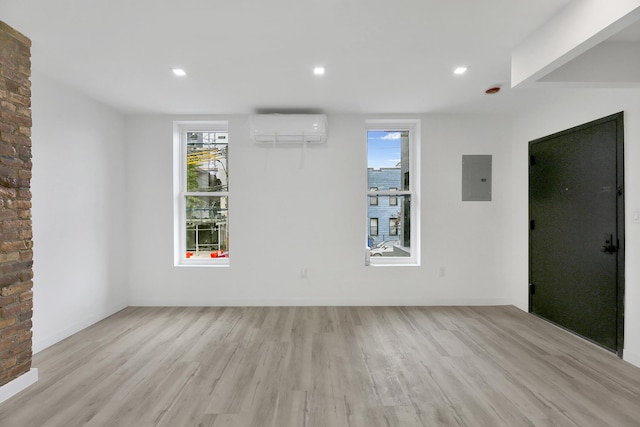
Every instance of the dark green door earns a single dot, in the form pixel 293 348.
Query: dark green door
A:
pixel 576 235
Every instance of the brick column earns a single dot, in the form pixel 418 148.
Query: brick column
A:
pixel 15 205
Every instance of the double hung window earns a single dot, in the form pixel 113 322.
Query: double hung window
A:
pixel 373 201
pixel 202 196
pixel 393 196
pixel 393 226
pixel 393 200
pixel 373 227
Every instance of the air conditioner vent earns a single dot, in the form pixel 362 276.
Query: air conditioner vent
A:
pixel 288 128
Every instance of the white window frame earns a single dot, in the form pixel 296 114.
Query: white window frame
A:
pixel 180 192
pixel 413 127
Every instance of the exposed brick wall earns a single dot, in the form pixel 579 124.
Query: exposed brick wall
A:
pixel 16 295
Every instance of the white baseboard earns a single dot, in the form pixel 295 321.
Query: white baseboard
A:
pixel 330 302
pixel 634 359
pixel 40 344
pixel 16 386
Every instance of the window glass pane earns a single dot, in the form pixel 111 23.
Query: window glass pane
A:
pixel 373 226
pixel 388 170
pixel 389 150
pixel 207 161
pixel 207 234
pixel 373 200
pixel 392 227
pixel 393 201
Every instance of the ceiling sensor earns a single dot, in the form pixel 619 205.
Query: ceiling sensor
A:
pixel 492 90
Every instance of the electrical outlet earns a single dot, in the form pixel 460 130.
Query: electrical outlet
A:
pixel 303 272
pixel 636 216
pixel 442 271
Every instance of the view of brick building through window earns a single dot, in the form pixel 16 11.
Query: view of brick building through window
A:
pixel 16 295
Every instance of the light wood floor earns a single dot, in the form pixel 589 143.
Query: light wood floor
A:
pixel 326 366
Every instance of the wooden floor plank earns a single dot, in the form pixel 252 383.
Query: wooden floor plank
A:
pixel 326 366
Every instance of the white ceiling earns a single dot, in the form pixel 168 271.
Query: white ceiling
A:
pixel 243 56
pixel 614 62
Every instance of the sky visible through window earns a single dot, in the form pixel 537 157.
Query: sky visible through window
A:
pixel 384 149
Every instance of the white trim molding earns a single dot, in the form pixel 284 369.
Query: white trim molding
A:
pixel 632 358
pixel 14 387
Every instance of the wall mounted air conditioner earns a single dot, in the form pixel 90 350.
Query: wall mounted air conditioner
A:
pixel 288 128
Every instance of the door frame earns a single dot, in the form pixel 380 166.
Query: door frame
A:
pixel 620 218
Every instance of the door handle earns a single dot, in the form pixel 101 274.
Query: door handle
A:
pixel 609 247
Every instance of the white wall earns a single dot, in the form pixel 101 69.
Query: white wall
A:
pixel 292 209
pixel 78 191
pixel 569 108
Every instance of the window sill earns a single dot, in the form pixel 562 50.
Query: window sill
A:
pixel 404 264
pixel 202 264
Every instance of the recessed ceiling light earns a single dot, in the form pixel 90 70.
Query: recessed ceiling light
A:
pixel 318 71
pixel 179 72
pixel 460 70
